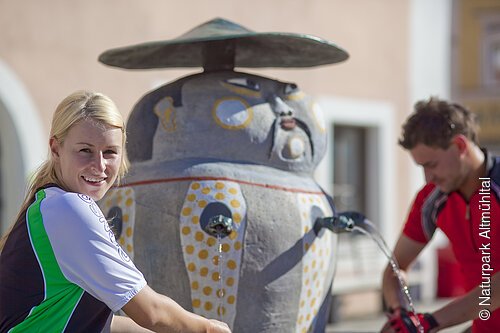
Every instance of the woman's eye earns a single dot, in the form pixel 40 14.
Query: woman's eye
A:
pixel 110 152
pixel 85 150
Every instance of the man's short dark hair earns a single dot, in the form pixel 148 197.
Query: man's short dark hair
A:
pixel 435 122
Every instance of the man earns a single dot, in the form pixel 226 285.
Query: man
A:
pixel 461 198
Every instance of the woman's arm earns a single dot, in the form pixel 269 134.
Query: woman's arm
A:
pixel 122 324
pixel 160 313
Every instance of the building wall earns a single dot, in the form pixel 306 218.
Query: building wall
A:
pixel 52 48
pixel 476 64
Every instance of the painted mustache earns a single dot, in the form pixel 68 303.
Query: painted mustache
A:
pixel 288 123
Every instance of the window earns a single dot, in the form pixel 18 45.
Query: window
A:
pixel 349 172
pixel 491 50
pixel 358 170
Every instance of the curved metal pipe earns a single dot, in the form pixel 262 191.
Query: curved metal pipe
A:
pixel 341 223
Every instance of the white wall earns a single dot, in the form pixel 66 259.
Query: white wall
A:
pixel 22 143
pixel 430 66
pixel 430 56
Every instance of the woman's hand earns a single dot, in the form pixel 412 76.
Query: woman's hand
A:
pixel 216 326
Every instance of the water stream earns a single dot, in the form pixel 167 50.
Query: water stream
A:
pixel 220 292
pixel 350 221
pixel 219 226
pixel 371 231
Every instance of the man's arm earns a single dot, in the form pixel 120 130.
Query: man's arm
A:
pixel 160 313
pixel 467 307
pixel 460 310
pixel 405 252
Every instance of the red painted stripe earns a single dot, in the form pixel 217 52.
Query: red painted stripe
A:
pixel 171 180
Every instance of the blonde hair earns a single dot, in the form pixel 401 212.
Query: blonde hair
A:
pixel 80 105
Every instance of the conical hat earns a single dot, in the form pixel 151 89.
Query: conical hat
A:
pixel 221 44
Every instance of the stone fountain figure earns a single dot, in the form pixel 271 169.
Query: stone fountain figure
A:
pixel 220 205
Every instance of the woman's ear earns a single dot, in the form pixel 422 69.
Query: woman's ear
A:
pixel 54 148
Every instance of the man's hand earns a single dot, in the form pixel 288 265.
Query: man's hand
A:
pixel 402 321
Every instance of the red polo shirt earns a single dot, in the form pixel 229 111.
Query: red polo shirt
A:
pixel 473 229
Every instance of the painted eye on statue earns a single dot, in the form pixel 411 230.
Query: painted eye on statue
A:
pixel 290 88
pixel 292 92
pixel 232 113
pixel 244 83
pixel 243 86
pixel 319 120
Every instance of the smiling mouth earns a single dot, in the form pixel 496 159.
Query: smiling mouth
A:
pixel 94 180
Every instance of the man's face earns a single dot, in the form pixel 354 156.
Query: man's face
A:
pixel 442 167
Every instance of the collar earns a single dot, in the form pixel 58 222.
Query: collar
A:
pixel 492 163
pixel 489 160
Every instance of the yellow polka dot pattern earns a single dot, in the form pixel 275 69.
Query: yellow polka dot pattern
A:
pixel 125 199
pixel 209 297
pixel 316 260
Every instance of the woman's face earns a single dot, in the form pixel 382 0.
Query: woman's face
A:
pixel 89 159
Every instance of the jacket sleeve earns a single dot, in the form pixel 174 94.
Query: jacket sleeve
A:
pixel 87 252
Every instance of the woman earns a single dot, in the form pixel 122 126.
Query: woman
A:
pixel 61 269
